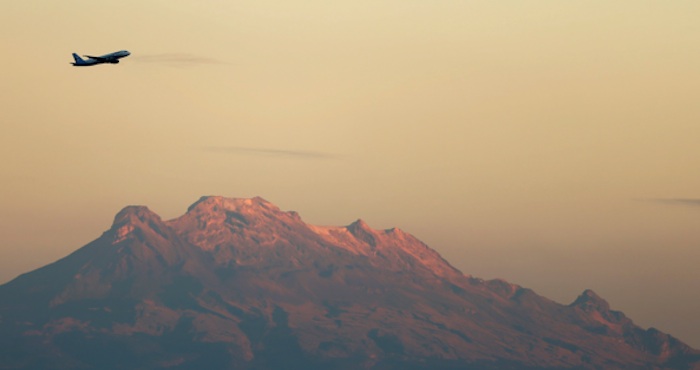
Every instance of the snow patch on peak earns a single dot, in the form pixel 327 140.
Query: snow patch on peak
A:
pixel 340 236
pixel 215 204
pixel 327 230
pixel 122 233
pixel 206 202
pixel 133 218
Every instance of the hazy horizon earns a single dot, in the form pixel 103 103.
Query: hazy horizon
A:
pixel 551 144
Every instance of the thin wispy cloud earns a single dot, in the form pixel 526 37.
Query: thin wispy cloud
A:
pixel 269 152
pixel 176 59
pixel 692 202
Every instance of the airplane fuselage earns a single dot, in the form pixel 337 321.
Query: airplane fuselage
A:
pixel 111 58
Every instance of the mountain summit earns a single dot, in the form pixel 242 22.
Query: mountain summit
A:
pixel 240 284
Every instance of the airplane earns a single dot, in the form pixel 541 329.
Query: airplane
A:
pixel 111 58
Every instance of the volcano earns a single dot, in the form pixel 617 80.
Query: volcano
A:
pixel 240 284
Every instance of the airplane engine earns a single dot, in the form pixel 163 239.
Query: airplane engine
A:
pixel 115 61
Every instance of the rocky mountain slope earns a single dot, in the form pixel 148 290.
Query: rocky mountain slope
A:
pixel 239 284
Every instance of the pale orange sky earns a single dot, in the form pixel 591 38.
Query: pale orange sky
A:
pixel 536 141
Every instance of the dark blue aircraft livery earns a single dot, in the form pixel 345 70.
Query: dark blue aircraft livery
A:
pixel 111 58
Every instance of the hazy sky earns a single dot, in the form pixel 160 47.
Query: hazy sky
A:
pixel 550 143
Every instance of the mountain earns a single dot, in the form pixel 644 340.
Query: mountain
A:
pixel 240 284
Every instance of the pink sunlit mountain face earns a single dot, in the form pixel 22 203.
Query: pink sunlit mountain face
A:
pixel 240 284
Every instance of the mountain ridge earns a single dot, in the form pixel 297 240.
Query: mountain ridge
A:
pixel 239 283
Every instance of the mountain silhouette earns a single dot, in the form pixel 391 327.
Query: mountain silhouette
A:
pixel 240 284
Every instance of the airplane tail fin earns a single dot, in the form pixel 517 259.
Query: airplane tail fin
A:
pixel 78 60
